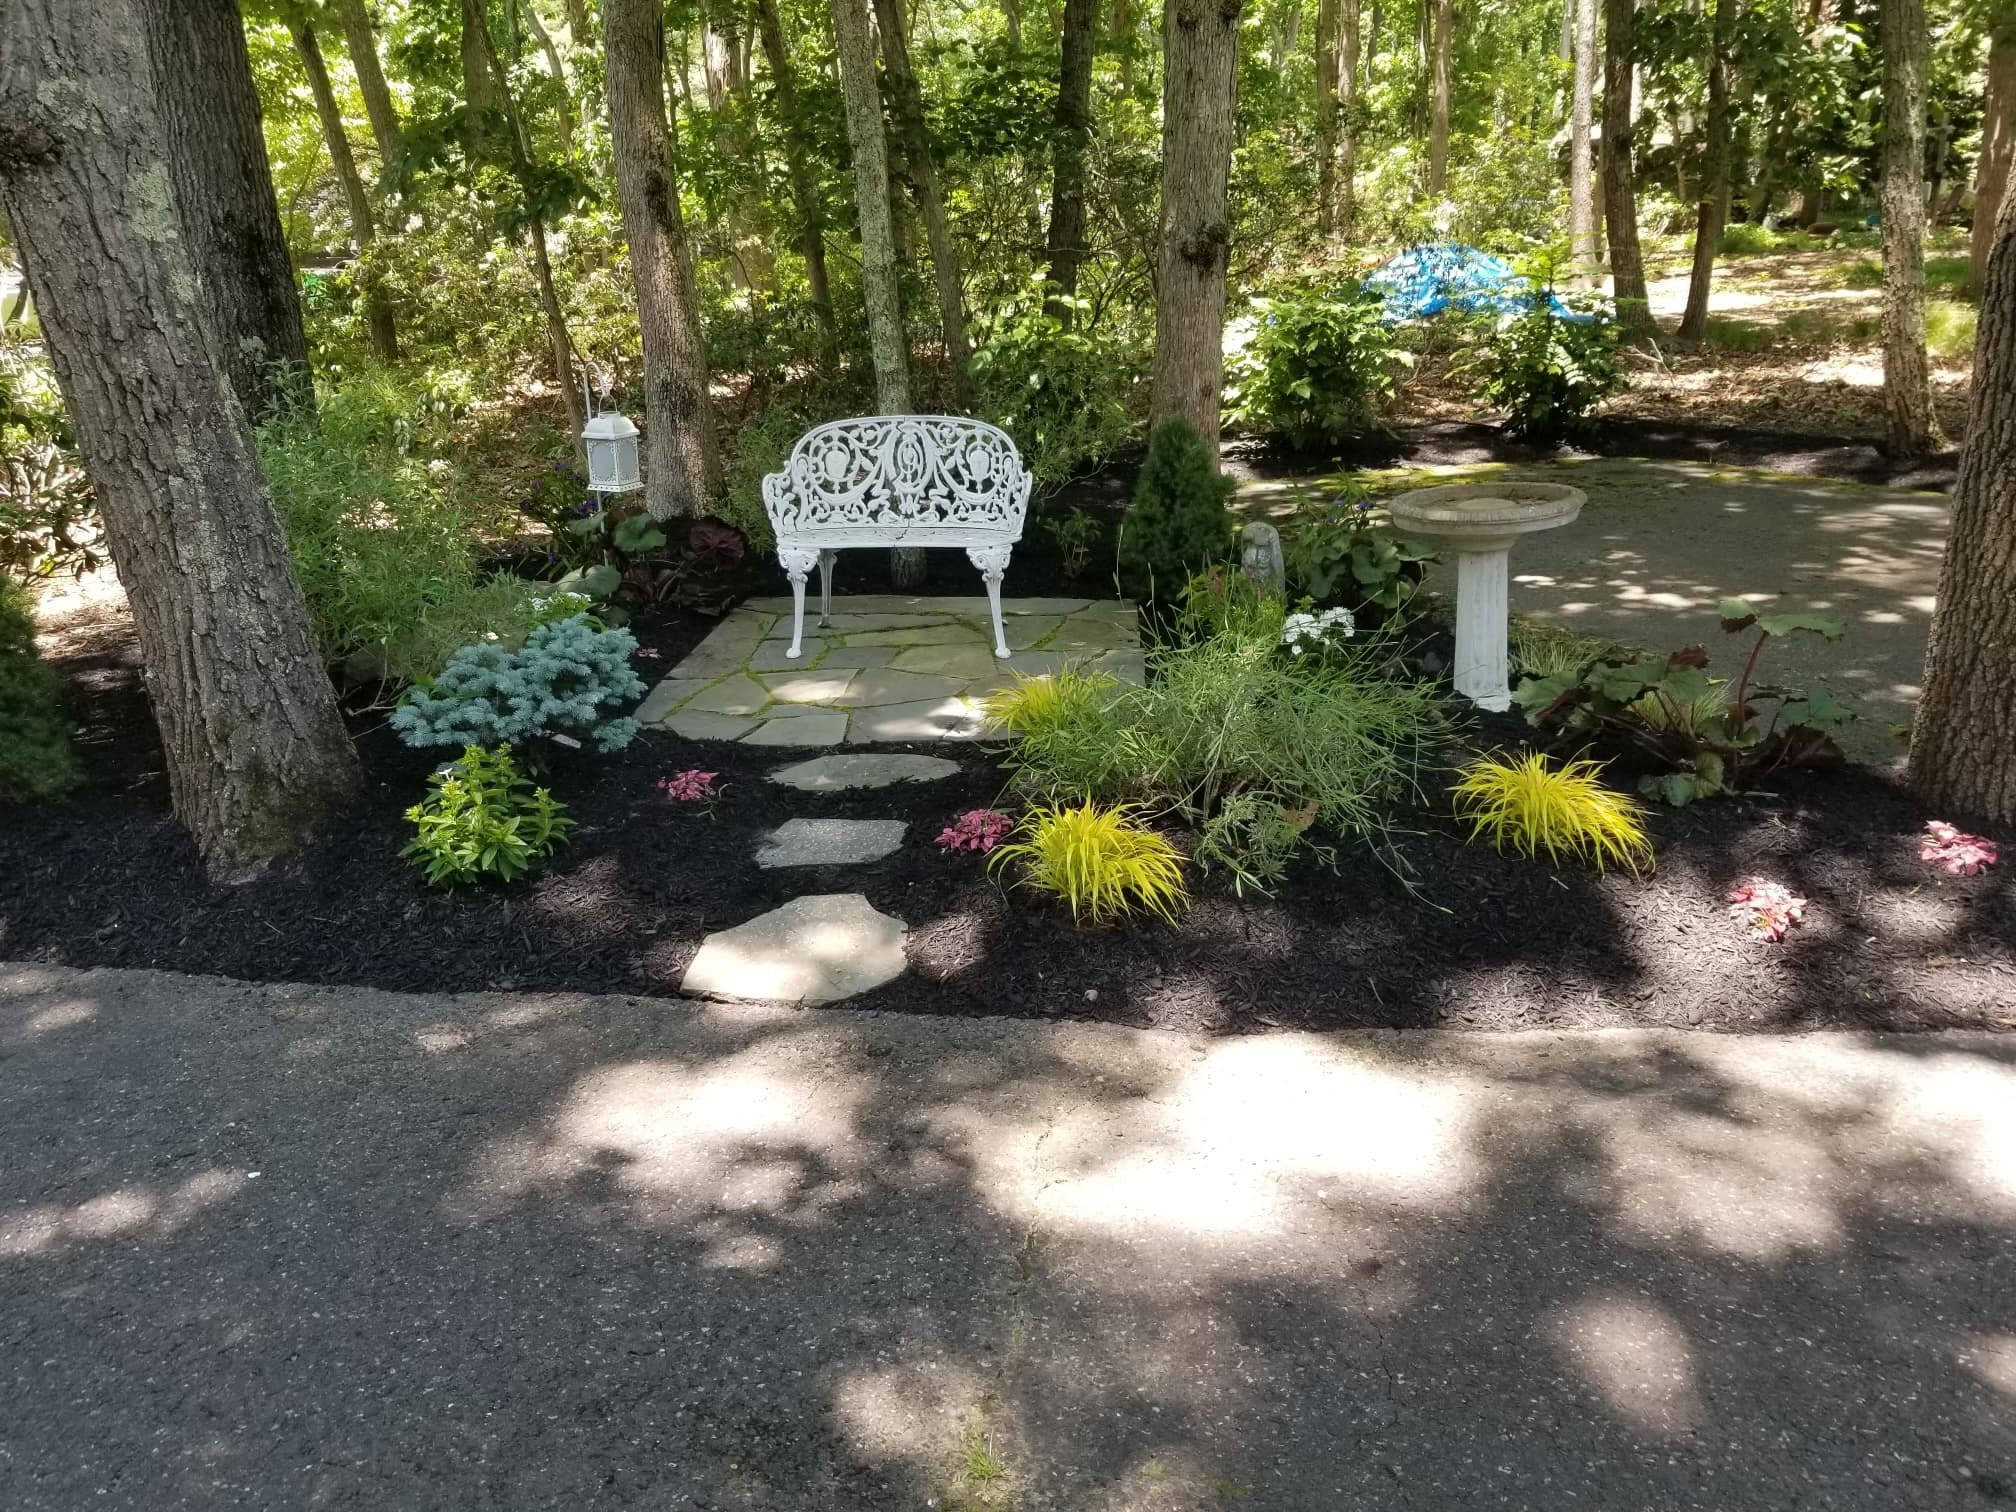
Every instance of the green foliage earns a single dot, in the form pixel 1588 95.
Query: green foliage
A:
pixel 1336 555
pixel 481 819
pixel 48 512
pixel 1319 366
pixel 1548 371
pixel 1101 861
pixel 35 759
pixel 1747 238
pixel 561 684
pixel 1179 523
pixel 1528 806
pixel 1706 738
pixel 1076 535
pixel 1059 391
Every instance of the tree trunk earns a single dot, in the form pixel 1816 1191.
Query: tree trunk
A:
pixel 1326 118
pixel 684 475
pixel 224 188
pixel 1907 374
pixel 1581 164
pixel 1620 189
pixel 804 187
pixel 565 105
pixel 1073 124
pixel 856 56
pixel 1347 125
pixel 1438 122
pixel 1200 80
pixel 363 231
pixel 256 751
pixel 907 104
pixel 1711 211
pixel 362 44
pixel 479 87
pixel 1963 740
pixel 1998 147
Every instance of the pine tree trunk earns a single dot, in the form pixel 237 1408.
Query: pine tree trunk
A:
pixel 1620 189
pixel 224 188
pixel 1200 80
pixel 1073 124
pixel 871 202
pixel 1907 374
pixel 1326 118
pixel 907 104
pixel 1581 163
pixel 1963 740
pixel 1440 48
pixel 804 187
pixel 363 230
pixel 684 472
pixel 1712 209
pixel 256 751
pixel 1347 125
pixel 362 45
pixel 1998 146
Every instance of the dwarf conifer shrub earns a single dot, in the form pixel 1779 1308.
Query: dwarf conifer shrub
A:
pixel 1178 524
pixel 35 761
pixel 565 680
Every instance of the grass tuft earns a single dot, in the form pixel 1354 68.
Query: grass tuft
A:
pixel 1527 806
pixel 1102 861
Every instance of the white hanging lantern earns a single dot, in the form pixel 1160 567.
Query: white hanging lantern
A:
pixel 611 443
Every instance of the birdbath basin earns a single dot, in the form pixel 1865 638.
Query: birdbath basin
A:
pixel 1480 522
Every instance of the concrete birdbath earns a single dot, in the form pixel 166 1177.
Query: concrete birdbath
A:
pixel 1479 522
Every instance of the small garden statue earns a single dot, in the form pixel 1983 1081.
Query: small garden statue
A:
pixel 1260 558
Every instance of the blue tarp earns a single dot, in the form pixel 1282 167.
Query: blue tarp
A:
pixel 1428 279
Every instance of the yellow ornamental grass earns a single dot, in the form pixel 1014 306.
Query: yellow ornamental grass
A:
pixel 1035 705
pixel 1529 807
pixel 1101 861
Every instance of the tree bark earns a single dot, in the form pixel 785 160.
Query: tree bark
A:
pixel 804 187
pixel 1439 64
pixel 856 51
pixel 1581 163
pixel 479 87
pixel 1200 80
pixel 1620 189
pixel 1326 118
pixel 1907 373
pixel 224 190
pixel 362 44
pixel 684 476
pixel 1963 740
pixel 907 104
pixel 363 230
pixel 1347 124
pixel 1998 147
pixel 565 105
pixel 1711 211
pixel 256 751
pixel 1073 126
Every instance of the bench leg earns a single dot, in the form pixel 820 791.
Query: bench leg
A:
pixel 826 588
pixel 798 562
pixel 993 562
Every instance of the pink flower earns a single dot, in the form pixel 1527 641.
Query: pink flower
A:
pixel 1954 851
pixel 1771 909
pixel 647 653
pixel 975 830
pixel 694 786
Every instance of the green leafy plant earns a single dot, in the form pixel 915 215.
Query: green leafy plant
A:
pixel 1178 523
pixel 1526 805
pixel 1319 367
pixel 561 684
pixel 482 819
pixel 1548 370
pixel 1707 737
pixel 35 758
pixel 1060 389
pixel 1102 861
pixel 48 509
pixel 1076 534
pixel 1338 555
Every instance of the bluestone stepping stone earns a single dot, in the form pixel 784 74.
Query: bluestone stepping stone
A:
pixel 816 949
pixel 809 727
pixel 732 695
pixel 830 842
pixel 827 774
pixel 666 697
pixel 699 725
pixel 885 685
pixel 808 687
pixel 928 719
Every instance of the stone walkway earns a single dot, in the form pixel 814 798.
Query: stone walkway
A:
pixel 887 668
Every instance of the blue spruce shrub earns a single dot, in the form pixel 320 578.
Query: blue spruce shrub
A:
pixel 562 681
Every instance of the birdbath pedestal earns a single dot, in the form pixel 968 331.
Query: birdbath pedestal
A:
pixel 1479 522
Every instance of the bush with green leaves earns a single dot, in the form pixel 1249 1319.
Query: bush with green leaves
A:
pixel 1058 389
pixel 563 683
pixel 1178 524
pixel 35 758
pixel 1705 737
pixel 1337 554
pixel 482 819
pixel 1319 367
pixel 48 510
pixel 1548 370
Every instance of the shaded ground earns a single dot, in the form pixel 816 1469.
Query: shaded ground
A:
pixel 292 1247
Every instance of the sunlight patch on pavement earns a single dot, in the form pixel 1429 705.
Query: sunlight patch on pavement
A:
pixel 127 1212
pixel 1636 1357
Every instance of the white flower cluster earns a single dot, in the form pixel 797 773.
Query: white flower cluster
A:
pixel 1300 630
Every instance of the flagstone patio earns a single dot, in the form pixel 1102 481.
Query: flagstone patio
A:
pixel 887 668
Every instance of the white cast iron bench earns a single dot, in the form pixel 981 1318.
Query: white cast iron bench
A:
pixel 896 480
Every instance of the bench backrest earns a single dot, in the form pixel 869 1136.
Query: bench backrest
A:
pixel 908 473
